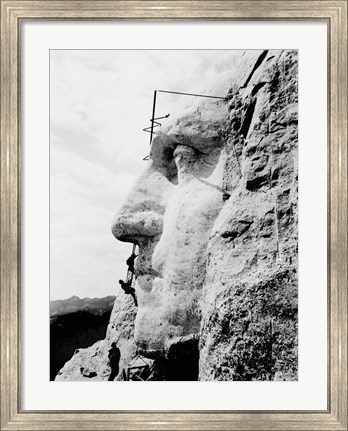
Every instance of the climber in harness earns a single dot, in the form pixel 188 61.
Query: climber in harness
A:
pixel 128 290
pixel 130 262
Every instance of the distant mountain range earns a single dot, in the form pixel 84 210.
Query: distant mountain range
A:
pixel 96 306
pixel 76 323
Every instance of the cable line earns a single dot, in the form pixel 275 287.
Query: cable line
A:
pixel 191 94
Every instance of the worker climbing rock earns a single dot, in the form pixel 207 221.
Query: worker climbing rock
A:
pixel 130 262
pixel 128 290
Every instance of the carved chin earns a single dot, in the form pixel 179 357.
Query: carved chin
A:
pixel 163 318
pixel 150 333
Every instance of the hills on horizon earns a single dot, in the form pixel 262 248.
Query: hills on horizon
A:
pixel 76 323
pixel 95 306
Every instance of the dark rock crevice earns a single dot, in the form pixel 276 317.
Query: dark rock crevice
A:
pixel 248 116
pixel 256 66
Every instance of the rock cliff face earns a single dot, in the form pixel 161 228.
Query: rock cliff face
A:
pixel 249 324
pixel 93 363
pixel 215 216
pixel 68 331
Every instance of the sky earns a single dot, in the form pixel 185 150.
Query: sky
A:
pixel 100 100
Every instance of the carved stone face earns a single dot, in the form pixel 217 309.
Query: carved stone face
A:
pixel 169 214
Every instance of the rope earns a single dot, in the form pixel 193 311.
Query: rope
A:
pixel 130 274
pixel 155 123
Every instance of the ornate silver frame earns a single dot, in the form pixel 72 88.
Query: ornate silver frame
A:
pixel 335 14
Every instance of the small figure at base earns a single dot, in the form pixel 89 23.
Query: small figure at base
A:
pixel 114 359
pixel 128 290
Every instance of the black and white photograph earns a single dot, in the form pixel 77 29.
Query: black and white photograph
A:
pixel 173 215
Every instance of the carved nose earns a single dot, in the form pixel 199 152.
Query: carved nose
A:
pixel 142 212
pixel 132 226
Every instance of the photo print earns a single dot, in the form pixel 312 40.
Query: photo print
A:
pixel 173 215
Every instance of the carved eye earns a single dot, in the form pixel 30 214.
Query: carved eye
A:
pixel 186 161
pixel 191 161
pixel 184 153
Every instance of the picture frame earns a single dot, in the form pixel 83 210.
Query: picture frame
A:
pixel 15 12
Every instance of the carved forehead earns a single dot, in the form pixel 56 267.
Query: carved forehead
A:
pixel 198 125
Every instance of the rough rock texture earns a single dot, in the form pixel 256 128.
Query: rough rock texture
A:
pixel 69 331
pixel 215 218
pixel 93 363
pixel 249 324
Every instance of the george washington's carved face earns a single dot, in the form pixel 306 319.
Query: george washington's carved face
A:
pixel 169 213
